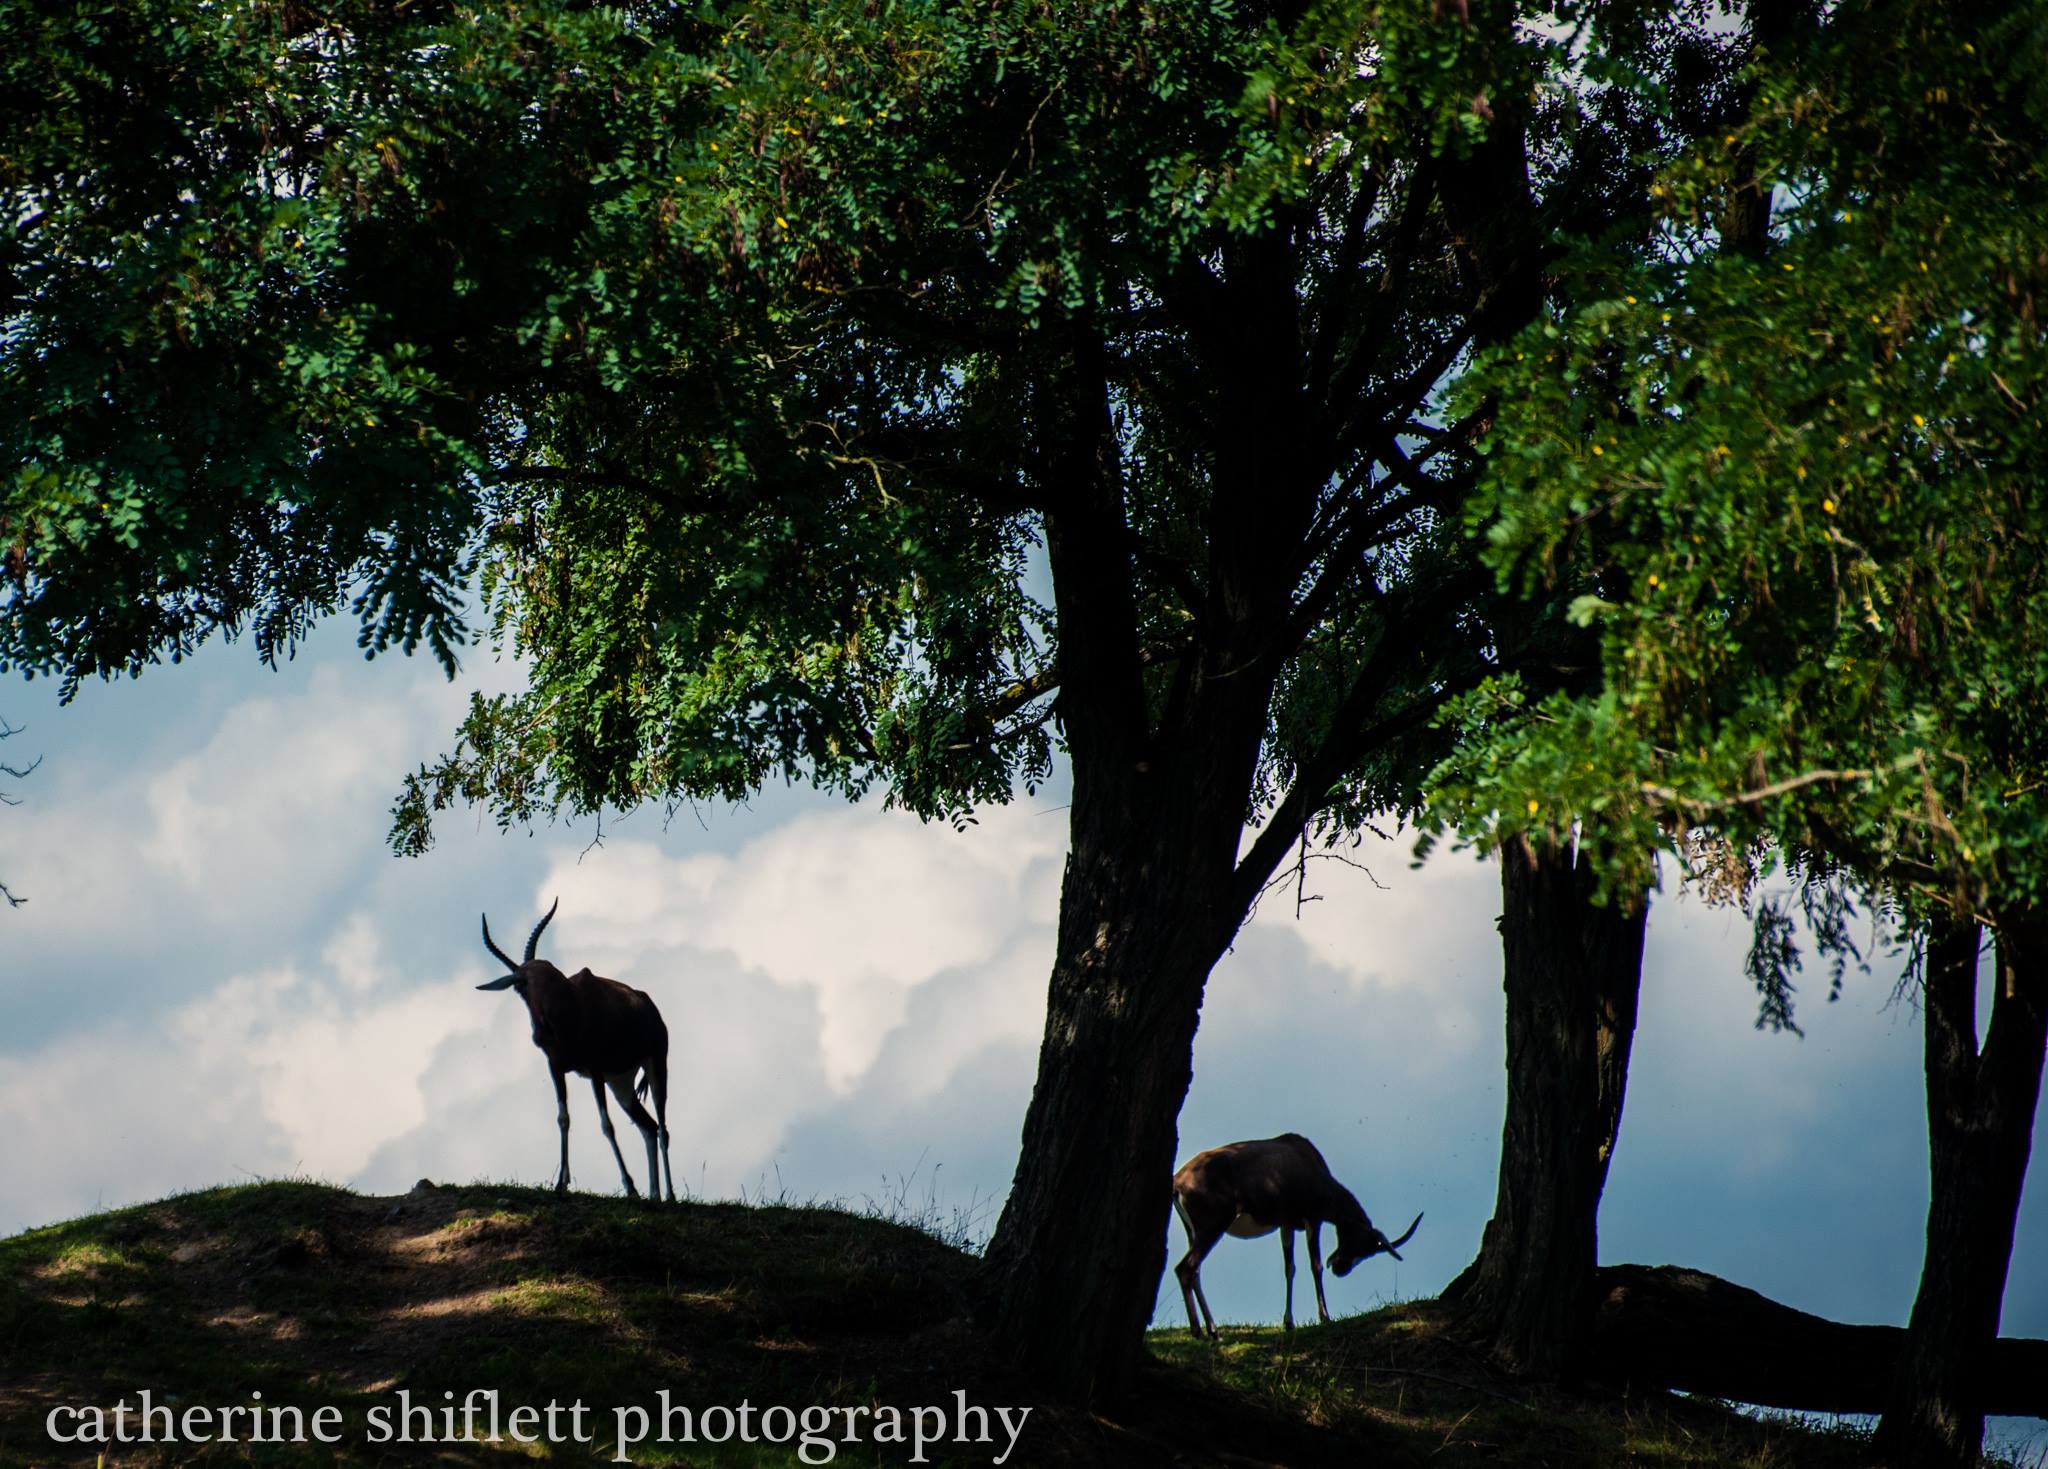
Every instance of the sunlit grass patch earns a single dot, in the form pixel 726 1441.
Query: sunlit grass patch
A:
pixel 469 1222
pixel 577 1300
pixel 86 1257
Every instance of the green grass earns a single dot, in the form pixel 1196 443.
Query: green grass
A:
pixel 319 1297
pixel 1401 1369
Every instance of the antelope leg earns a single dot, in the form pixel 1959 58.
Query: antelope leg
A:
pixel 1287 1258
pixel 611 1135
pixel 561 1121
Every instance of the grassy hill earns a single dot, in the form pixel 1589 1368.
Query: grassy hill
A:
pixel 316 1297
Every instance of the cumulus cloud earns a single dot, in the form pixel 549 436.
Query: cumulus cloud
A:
pixel 856 908
pixel 167 853
pixel 268 812
pixel 1372 916
pixel 282 997
pixel 277 1072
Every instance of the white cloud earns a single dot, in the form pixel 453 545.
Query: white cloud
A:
pixel 336 1072
pixel 855 907
pixel 282 997
pixel 1386 925
pixel 356 954
pixel 281 799
pixel 270 1073
pixel 251 826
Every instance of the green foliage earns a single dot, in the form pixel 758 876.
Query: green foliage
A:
pixel 312 312
pixel 726 353
pixel 1796 491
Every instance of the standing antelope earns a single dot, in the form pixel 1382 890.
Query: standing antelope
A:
pixel 1253 1188
pixel 599 1028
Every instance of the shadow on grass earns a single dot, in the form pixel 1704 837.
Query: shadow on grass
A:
pixel 316 1297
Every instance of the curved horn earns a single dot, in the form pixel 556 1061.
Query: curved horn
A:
pixel 494 948
pixel 1394 1245
pixel 533 942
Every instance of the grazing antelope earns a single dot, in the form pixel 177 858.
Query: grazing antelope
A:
pixel 1253 1188
pixel 599 1028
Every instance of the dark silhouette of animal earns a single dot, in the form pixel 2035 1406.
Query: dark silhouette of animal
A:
pixel 1253 1188
pixel 599 1028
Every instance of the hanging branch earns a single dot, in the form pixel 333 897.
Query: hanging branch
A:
pixel 14 772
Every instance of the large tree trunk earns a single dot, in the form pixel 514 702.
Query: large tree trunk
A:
pixel 1980 1122
pixel 1077 1255
pixel 1572 970
pixel 1153 893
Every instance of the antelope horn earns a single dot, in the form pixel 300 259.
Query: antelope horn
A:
pixel 1395 1245
pixel 502 959
pixel 533 942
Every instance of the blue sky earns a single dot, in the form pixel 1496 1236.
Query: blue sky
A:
pixel 221 973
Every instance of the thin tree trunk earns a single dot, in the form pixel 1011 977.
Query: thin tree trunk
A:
pixel 1980 1121
pixel 1572 970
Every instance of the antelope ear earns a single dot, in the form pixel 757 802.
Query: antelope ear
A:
pixel 499 984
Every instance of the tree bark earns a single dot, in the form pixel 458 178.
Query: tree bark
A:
pixel 1571 970
pixel 1668 1327
pixel 1077 1255
pixel 1980 1121
pixel 1151 896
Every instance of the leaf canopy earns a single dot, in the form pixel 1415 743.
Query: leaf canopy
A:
pixel 726 351
pixel 1797 491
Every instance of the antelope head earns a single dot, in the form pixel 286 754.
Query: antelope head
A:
pixel 517 978
pixel 1351 1248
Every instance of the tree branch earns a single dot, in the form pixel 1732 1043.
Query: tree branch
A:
pixel 612 475
pixel 1671 797
pixel 1351 535
pixel 930 455
pixel 1350 737
pixel 1331 313
pixel 8 731
pixel 1350 379
pixel 1020 694
pixel 1405 393
pixel 1670 1327
pixel 1311 790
